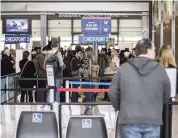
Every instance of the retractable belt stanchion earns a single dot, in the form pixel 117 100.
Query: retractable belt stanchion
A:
pixel 67 92
pixel 51 82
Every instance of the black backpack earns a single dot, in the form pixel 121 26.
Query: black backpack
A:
pixel 54 60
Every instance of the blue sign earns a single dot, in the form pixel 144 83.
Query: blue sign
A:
pixel 37 118
pixel 89 39
pixel 14 39
pixel 96 26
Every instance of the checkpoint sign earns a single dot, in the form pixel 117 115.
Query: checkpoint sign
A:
pixel 85 39
pixel 98 26
pixel 14 39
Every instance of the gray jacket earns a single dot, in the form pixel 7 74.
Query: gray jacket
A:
pixel 139 89
pixel 60 60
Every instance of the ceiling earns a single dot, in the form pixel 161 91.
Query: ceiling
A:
pixel 75 0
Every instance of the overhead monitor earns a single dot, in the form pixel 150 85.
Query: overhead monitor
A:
pixel 16 26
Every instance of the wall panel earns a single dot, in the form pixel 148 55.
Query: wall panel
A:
pixel 36 27
pixel 176 40
pixel 59 28
pixel 130 28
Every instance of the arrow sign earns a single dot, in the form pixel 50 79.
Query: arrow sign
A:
pixel 96 26
pixel 105 29
pixel 105 22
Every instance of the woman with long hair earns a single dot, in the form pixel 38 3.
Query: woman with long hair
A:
pixel 165 57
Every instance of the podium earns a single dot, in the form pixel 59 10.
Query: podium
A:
pixel 37 125
pixel 86 127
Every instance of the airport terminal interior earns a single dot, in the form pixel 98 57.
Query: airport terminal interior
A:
pixel 110 26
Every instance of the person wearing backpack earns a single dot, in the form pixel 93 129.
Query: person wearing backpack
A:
pixel 41 72
pixel 54 57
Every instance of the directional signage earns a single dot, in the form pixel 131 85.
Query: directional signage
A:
pixel 96 26
pixel 14 39
pixel 89 39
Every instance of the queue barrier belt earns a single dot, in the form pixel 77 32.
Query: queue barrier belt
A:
pixel 90 83
pixel 82 90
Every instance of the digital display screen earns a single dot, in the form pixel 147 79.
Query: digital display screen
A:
pixel 17 25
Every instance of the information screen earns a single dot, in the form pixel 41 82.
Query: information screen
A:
pixel 17 25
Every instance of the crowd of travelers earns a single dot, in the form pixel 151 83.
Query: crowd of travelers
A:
pixel 71 63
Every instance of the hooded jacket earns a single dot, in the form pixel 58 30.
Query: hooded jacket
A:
pixel 139 89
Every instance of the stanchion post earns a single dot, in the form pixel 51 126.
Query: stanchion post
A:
pixel 51 81
pixel 15 92
pixel 7 87
pixel 166 123
pixel 90 75
pixel 67 92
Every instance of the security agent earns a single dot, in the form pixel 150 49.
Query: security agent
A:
pixel 139 89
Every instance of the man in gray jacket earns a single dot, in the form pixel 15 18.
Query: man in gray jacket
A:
pixel 139 89
pixel 58 72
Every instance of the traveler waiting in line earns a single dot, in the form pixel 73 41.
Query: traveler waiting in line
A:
pixel 54 56
pixel 166 58
pixel 7 67
pixel 140 99
pixel 76 70
pixel 27 70
pixel 41 73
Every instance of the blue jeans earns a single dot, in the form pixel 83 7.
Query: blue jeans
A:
pixel 140 131
pixel 58 85
pixel 74 97
pixel 89 96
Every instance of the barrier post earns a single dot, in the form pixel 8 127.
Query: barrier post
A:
pixel 51 81
pixel 7 87
pixel 67 92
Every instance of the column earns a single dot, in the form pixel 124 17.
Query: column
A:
pixel 176 36
pixel 173 26
pixel 167 23
pixel 160 20
pixel 43 19
pixel 157 26
pixel 145 26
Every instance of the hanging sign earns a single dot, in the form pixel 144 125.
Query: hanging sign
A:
pixel 96 26
pixel 15 39
pixel 89 39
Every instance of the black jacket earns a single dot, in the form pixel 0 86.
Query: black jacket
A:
pixel 6 65
pixel 28 72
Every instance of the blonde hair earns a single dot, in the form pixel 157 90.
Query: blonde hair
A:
pixel 89 54
pixel 165 56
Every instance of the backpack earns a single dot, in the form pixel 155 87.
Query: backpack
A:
pixel 74 72
pixel 54 60
pixel 39 64
pixel 67 70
